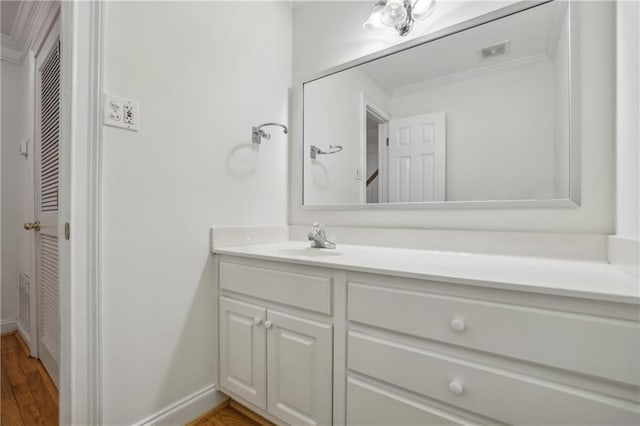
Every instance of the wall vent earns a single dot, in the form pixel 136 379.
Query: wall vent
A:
pixel 24 298
pixel 492 51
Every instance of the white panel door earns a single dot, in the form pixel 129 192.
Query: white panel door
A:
pixel 47 189
pixel 243 350
pixel 299 354
pixel 417 163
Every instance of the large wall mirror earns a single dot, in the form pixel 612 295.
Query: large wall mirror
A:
pixel 480 115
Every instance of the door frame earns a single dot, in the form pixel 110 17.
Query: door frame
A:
pixel 366 105
pixel 81 37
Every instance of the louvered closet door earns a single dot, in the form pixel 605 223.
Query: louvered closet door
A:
pixel 48 160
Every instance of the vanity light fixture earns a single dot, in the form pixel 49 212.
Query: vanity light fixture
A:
pixel 398 14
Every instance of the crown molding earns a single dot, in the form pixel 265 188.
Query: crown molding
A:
pixel 33 21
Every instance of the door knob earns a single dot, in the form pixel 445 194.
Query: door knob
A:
pixel 32 226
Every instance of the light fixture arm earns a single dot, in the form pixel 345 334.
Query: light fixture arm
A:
pixel 404 28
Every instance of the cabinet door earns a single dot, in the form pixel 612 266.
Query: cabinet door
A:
pixel 243 350
pixel 299 354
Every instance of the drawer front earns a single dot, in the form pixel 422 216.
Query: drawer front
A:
pixel 300 290
pixel 504 396
pixel 596 346
pixel 369 405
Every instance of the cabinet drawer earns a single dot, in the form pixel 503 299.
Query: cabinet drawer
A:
pixel 499 394
pixel 596 346
pixel 368 405
pixel 301 290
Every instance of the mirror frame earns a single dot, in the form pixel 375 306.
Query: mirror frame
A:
pixel 574 199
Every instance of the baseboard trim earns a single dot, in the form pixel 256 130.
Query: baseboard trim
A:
pixel 187 409
pixel 26 337
pixel 624 254
pixel 8 325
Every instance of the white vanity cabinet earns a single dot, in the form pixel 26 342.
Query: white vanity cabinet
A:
pixel 508 357
pixel 307 344
pixel 275 360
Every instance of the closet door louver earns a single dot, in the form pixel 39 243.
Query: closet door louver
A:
pixel 48 177
pixel 50 119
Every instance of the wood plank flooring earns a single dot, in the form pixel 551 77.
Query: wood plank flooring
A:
pixel 29 396
pixel 230 413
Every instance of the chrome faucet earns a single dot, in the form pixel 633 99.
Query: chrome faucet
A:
pixel 318 237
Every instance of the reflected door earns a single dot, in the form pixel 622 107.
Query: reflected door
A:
pixel 417 163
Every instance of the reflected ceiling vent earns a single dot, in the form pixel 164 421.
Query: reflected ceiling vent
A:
pixel 492 51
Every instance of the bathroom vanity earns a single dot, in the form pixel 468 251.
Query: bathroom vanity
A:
pixel 482 115
pixel 386 336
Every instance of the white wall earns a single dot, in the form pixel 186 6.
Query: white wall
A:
pixel 499 131
pixel 627 125
pixel 203 74
pixel 335 116
pixel 326 35
pixel 17 180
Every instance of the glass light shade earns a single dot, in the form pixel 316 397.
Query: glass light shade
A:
pixel 374 27
pixel 394 13
pixel 374 24
pixel 422 9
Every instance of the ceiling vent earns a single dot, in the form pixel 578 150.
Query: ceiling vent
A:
pixel 499 49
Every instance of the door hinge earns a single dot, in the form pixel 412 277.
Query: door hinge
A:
pixel 67 230
pixel 387 141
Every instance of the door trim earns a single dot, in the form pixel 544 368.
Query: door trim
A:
pixel 367 105
pixel 81 37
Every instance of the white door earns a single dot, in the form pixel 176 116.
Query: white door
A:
pixel 417 163
pixel 243 350
pixel 299 355
pixel 47 186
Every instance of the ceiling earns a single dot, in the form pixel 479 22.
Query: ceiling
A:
pixel 9 12
pixel 23 25
pixel 531 34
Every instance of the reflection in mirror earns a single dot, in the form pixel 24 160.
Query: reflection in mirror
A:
pixel 482 114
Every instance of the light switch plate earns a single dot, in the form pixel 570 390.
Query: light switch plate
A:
pixel 120 112
pixel 357 173
pixel 24 148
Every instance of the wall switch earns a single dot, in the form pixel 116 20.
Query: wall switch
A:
pixel 123 113
pixel 24 148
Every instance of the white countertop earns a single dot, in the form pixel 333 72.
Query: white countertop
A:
pixel 584 279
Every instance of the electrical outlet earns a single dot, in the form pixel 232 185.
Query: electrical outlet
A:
pixel 123 113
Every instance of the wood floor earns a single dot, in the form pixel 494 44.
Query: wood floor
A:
pixel 29 397
pixel 230 413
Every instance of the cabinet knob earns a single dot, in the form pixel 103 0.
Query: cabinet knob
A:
pixel 257 321
pixel 457 324
pixel 456 388
pixel 268 324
